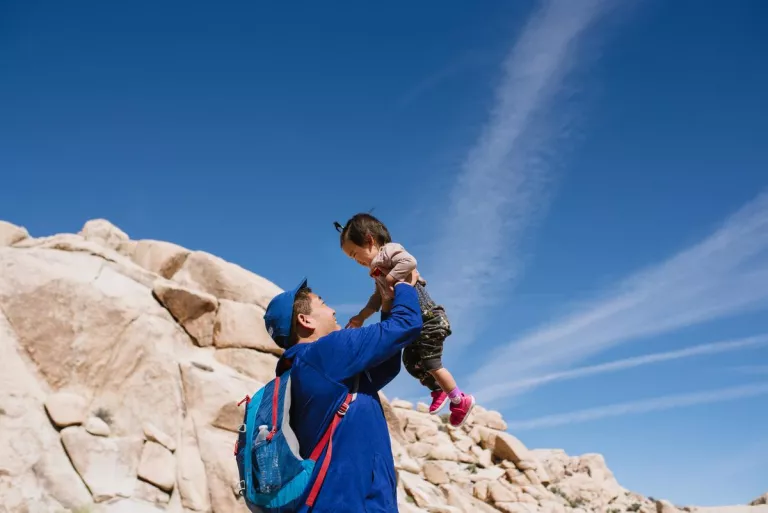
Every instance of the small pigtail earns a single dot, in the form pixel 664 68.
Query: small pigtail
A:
pixel 338 227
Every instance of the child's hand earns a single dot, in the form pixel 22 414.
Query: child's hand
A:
pixel 355 322
pixel 412 278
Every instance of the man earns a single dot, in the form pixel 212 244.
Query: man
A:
pixel 325 361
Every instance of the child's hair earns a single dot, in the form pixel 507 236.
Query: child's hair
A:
pixel 360 227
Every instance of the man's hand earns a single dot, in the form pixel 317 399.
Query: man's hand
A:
pixel 355 322
pixel 412 279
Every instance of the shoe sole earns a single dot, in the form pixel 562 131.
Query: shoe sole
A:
pixel 440 407
pixel 469 412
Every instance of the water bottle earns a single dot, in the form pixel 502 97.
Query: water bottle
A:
pixel 262 434
pixel 264 461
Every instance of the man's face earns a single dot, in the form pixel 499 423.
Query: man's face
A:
pixel 323 317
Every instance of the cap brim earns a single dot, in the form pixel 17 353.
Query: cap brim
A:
pixel 301 285
pixel 280 341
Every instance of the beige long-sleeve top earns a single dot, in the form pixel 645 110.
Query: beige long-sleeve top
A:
pixel 392 260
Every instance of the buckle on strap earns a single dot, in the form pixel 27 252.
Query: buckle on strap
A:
pixel 241 488
pixel 342 409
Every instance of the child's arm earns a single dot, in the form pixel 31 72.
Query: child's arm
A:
pixel 401 262
pixel 374 303
pixel 373 306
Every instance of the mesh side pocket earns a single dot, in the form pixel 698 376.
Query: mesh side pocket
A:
pixel 275 464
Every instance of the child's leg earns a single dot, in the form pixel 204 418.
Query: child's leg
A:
pixel 445 380
pixel 412 364
pixel 431 352
pixel 433 334
pixel 436 328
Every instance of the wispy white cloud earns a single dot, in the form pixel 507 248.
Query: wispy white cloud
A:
pixel 504 389
pixel 725 274
pixel 502 186
pixel 637 407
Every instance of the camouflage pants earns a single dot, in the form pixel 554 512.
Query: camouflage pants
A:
pixel 426 353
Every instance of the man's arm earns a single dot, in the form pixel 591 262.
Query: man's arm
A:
pixel 385 372
pixel 382 374
pixel 345 353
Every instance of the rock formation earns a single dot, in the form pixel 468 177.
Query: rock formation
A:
pixel 121 363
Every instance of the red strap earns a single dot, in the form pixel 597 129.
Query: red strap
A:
pixel 326 440
pixel 275 397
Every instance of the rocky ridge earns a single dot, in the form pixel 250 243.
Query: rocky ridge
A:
pixel 121 362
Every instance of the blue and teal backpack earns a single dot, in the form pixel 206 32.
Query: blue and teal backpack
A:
pixel 273 475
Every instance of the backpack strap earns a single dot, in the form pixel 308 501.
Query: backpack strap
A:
pixel 328 440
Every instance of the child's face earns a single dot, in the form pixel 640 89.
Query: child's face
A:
pixel 362 255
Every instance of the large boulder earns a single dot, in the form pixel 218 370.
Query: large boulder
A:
pixel 396 430
pixel 66 409
pixel 191 477
pixel 160 257
pixel 104 233
pixel 92 455
pixel 225 280
pixel 423 493
pixel 503 445
pixel 254 364
pixel 157 466
pixel 488 418
pixel 10 234
pixel 155 434
pixel 207 391
pixel 193 309
pixel 72 243
pixel 242 325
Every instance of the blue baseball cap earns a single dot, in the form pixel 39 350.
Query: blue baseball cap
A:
pixel 279 315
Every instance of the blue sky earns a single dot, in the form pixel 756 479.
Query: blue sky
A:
pixel 583 183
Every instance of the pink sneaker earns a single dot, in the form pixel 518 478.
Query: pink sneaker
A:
pixel 439 398
pixel 460 412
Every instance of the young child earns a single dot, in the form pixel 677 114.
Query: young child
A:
pixel 367 241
